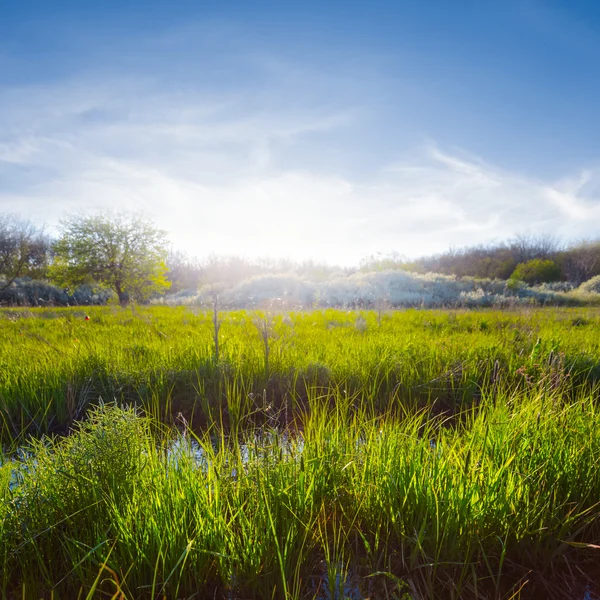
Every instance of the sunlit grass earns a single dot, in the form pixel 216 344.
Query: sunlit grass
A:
pixel 420 455
pixel 470 511
pixel 55 364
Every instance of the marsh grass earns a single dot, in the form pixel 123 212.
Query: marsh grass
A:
pixel 507 500
pixel 421 455
pixel 55 365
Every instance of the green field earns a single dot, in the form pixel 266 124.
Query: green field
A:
pixel 405 454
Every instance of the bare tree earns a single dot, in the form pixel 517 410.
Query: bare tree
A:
pixel 527 247
pixel 184 273
pixel 581 261
pixel 24 249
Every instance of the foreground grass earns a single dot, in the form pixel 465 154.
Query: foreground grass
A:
pixel 416 454
pixel 504 505
pixel 55 364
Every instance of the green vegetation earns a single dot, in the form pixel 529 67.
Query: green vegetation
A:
pixel 414 454
pixel 591 286
pixel 55 363
pixel 576 262
pixel 123 253
pixel 537 271
pixel 104 256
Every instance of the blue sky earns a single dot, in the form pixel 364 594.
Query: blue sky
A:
pixel 329 130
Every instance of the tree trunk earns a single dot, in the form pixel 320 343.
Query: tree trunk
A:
pixel 123 296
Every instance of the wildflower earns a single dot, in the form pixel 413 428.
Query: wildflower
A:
pixel 87 318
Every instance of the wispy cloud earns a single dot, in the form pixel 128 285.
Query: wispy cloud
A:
pixel 208 167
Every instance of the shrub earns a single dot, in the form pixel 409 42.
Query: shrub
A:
pixel 591 285
pixel 536 271
pixel 373 290
pixel 29 292
pixel 555 286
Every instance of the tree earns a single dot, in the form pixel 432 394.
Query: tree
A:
pixel 24 250
pixel 528 247
pixel 536 271
pixel 125 253
pixel 581 261
pixel 184 273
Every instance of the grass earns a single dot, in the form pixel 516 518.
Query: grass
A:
pixel 55 364
pixel 428 454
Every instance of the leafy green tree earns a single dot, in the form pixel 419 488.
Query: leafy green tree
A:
pixel 125 253
pixel 536 271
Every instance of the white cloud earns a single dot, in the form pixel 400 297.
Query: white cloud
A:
pixel 207 168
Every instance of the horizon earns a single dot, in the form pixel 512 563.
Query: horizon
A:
pixel 328 133
pixel 550 245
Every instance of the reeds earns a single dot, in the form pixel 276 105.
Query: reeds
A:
pixel 428 455
pixel 55 365
pixel 507 500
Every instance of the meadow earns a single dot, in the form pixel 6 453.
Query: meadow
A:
pixel 176 452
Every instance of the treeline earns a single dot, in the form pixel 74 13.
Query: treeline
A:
pixel 126 256
pixel 555 261
pixel 93 258
pixel 123 255
pixel 190 273
pixel 528 259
